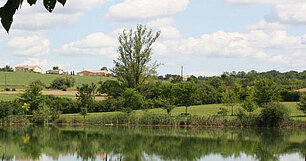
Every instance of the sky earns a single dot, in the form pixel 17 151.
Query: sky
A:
pixel 207 37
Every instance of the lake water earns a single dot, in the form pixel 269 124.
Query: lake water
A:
pixel 70 143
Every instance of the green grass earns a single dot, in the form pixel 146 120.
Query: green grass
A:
pixel 19 80
pixel 8 97
pixel 200 110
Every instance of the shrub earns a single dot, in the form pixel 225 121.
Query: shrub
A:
pixel 65 105
pixel 131 100
pixel 290 95
pixel 5 109
pixel 7 89
pixel 13 89
pixel 63 83
pixel 273 115
pixel 111 87
pixel 42 115
pixel 302 104
pixel 223 112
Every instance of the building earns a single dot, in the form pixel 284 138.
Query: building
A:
pixel 56 71
pixel 30 68
pixel 93 73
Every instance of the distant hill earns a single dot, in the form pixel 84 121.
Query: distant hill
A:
pixel 19 80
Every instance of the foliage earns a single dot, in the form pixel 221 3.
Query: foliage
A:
pixel 64 105
pixel 104 68
pixel 85 96
pixel 111 87
pixel 9 9
pixel 63 83
pixel 5 109
pixel 302 103
pixel 185 94
pixel 249 103
pixel 131 100
pixel 229 98
pixel 223 112
pixel 42 115
pixel 290 95
pixel 7 68
pixel 265 91
pixel 55 68
pixel 133 67
pixel 32 96
pixel 273 115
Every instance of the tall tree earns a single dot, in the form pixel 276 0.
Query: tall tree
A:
pixel 85 96
pixel 186 94
pixel 229 98
pixel 302 103
pixel 133 66
pixel 266 91
pixel 9 9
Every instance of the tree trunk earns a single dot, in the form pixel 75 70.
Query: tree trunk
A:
pixel 232 111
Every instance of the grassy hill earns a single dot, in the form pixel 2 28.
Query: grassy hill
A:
pixel 19 80
pixel 200 110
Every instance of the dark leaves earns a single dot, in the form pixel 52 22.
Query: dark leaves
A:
pixel 31 2
pixel 7 12
pixel 63 2
pixel 49 4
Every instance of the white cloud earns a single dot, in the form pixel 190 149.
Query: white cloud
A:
pixel 93 44
pixel 284 11
pixel 144 9
pixel 29 46
pixel 264 25
pixel 37 19
pixel 165 25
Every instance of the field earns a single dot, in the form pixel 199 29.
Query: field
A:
pixel 19 80
pixel 201 110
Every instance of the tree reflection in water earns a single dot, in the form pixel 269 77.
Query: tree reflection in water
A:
pixel 141 143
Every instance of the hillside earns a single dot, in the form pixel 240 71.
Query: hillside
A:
pixel 19 80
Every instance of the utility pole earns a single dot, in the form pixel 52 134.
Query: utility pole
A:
pixel 5 79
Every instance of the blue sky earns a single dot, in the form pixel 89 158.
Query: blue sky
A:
pixel 207 37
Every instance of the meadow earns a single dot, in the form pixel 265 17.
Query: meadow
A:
pixel 19 80
pixel 199 110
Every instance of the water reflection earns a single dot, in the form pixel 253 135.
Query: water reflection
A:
pixel 150 143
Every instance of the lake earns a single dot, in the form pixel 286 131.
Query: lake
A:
pixel 65 143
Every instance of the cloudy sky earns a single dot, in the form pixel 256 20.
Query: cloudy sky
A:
pixel 207 37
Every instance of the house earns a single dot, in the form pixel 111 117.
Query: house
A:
pixel 93 73
pixel 25 68
pixel 185 77
pixel 56 71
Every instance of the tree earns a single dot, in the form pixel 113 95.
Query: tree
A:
pixel 9 9
pixel 186 94
pixel 111 87
pixel 223 112
pixel 133 66
pixel 249 103
pixel 63 83
pixel 7 68
pixel 229 98
pixel 265 91
pixel 55 68
pixel 104 68
pixel 302 103
pixel 85 96
pixel 32 96
pixel 131 100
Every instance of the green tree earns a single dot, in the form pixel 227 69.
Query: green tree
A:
pixel 302 103
pixel 265 91
pixel 223 112
pixel 186 94
pixel 229 98
pixel 104 68
pixel 9 9
pixel 55 68
pixel 85 96
pixel 111 87
pixel 7 68
pixel 249 103
pixel 32 96
pixel 133 66
pixel 131 100
pixel 43 114
pixel 63 83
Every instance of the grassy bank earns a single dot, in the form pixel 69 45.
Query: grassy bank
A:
pixel 19 80
pixel 200 115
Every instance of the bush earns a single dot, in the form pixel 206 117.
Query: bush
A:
pixel 44 114
pixel 65 105
pixel 293 96
pixel 63 83
pixel 108 105
pixel 111 87
pixel 13 89
pixel 5 109
pixel 131 100
pixel 302 104
pixel 273 115
pixel 7 89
